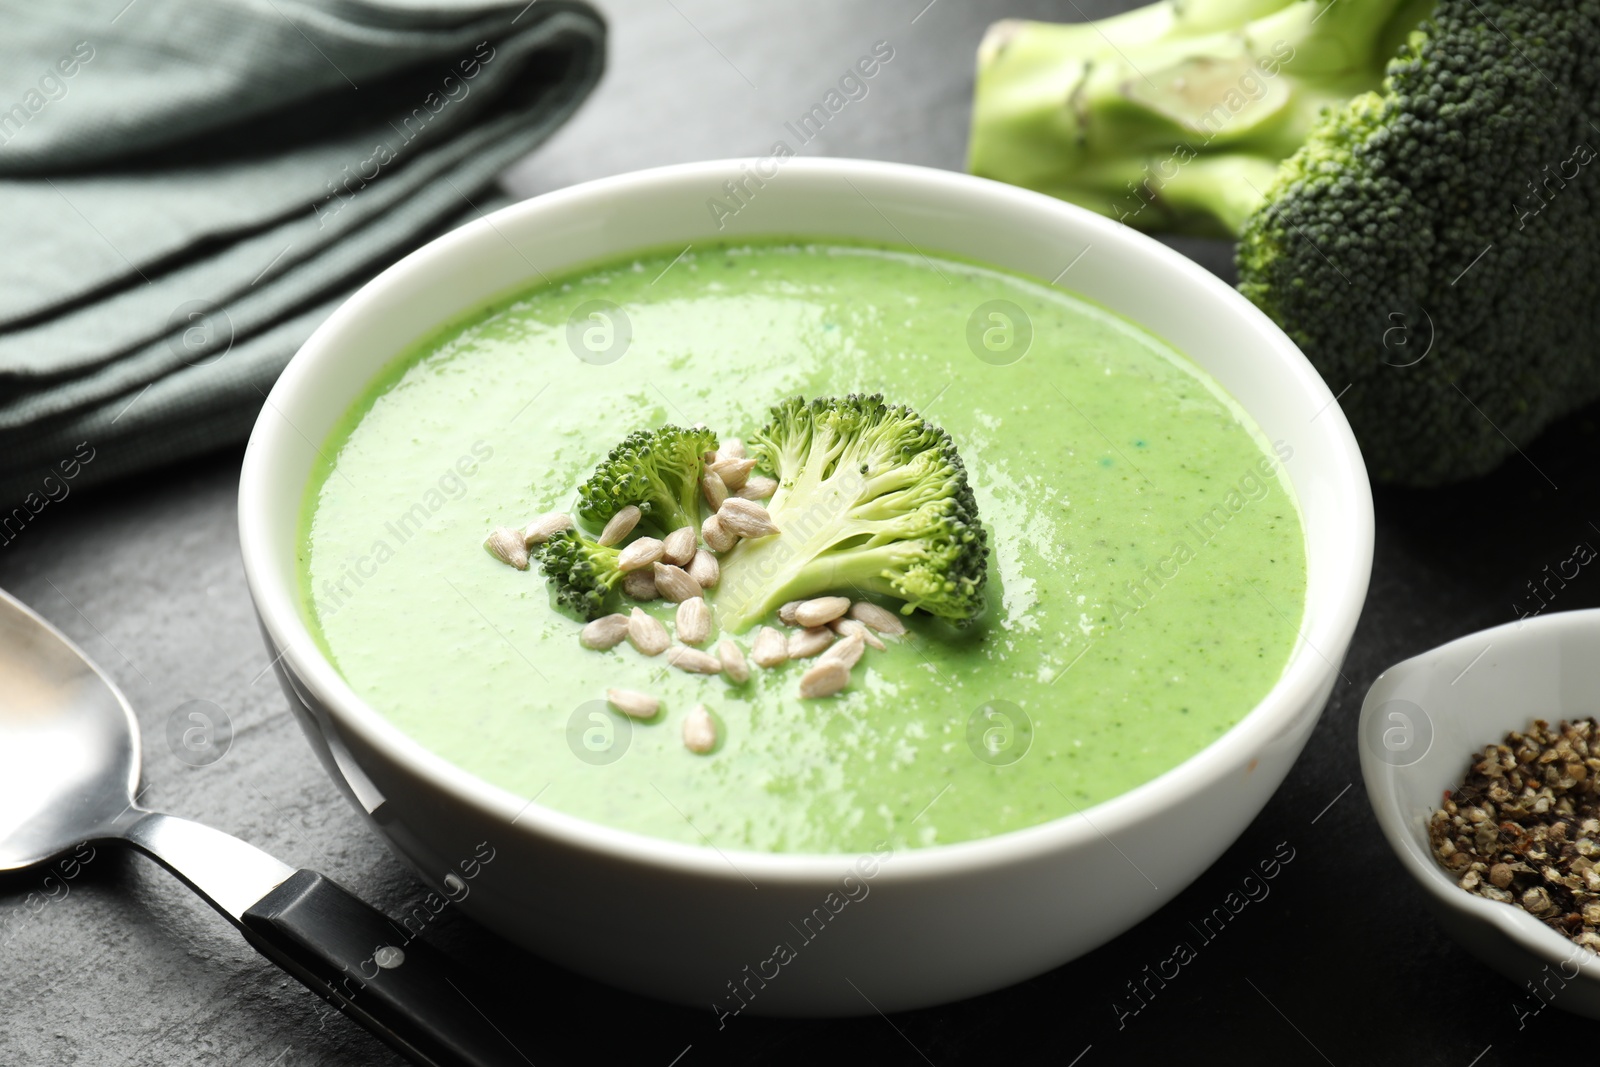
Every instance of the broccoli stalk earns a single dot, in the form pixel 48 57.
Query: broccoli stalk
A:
pixel 1174 116
pixel 582 572
pixel 658 471
pixel 872 500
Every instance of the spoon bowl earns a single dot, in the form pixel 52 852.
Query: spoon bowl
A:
pixel 1423 722
pixel 69 764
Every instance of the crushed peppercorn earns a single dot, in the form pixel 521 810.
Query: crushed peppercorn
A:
pixel 1523 828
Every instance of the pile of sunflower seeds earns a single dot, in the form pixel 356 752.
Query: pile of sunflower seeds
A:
pixel 1523 828
pixel 677 568
pixel 837 634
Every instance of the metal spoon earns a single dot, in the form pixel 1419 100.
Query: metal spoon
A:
pixel 69 765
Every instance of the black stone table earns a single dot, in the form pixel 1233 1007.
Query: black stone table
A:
pixel 1339 963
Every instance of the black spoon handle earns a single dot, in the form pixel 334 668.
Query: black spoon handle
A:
pixel 412 997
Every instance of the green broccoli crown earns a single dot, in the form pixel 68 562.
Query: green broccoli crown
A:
pixel 657 471
pixel 1454 210
pixel 871 499
pixel 582 572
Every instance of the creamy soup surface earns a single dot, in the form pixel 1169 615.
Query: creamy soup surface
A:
pixel 1146 580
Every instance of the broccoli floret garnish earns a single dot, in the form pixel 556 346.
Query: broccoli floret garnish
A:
pixel 581 571
pixel 658 471
pixel 871 499
pixel 1392 175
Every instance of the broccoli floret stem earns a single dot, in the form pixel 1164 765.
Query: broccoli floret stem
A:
pixel 1116 114
pixel 686 494
pixel 758 575
pixel 766 575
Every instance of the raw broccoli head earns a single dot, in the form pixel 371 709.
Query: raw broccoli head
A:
pixel 871 499
pixel 1400 182
pixel 1457 207
pixel 658 471
pixel 582 572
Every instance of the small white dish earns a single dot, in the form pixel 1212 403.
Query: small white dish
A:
pixel 1422 723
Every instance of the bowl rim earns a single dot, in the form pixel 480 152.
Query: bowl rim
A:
pixel 1275 716
pixel 1379 777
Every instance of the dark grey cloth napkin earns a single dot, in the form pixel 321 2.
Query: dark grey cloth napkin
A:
pixel 188 187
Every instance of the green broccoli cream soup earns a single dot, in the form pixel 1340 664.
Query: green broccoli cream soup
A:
pixel 1146 572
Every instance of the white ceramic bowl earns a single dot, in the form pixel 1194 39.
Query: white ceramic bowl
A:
pixel 682 922
pixel 1422 723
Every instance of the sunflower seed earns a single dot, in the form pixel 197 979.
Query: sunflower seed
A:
pixel 758 487
pixel 678 548
pixel 846 652
pixel 733 664
pixel 717 537
pixel 803 644
pixel 734 472
pixel 745 518
pixel 713 489
pixel 694 621
pixel 640 585
pixel 823 609
pixel 605 632
pixel 693 660
pixel 642 553
pixel 632 703
pixel 770 649
pixel 786 613
pixel 705 569
pixel 699 730
pixel 732 448
pixel 880 619
pixel 849 627
pixel 824 679
pixel 545 527
pixel 621 525
pixel 646 634
pixel 507 546
pixel 674 583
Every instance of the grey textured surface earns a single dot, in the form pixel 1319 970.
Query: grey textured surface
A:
pixel 1339 964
